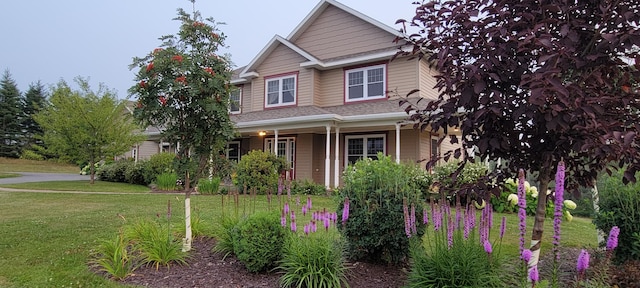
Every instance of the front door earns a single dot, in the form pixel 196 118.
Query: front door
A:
pixel 287 150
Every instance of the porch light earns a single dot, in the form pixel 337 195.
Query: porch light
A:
pixel 262 133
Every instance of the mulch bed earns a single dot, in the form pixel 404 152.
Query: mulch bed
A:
pixel 207 269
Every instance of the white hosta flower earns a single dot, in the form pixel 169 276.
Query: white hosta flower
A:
pixel 527 186
pixel 512 199
pixel 534 195
pixel 570 204
pixel 509 181
pixel 534 190
pixel 568 215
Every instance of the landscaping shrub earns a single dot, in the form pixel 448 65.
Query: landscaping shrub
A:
pixel 501 203
pixel 377 190
pixel 224 231
pixel 313 261
pixel 259 170
pixel 619 206
pixel 307 187
pixel 134 174
pixel 114 172
pixel 167 181
pixel 156 244
pixel 209 186
pixel 115 257
pixel 258 241
pixel 158 164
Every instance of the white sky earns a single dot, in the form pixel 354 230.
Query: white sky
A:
pixel 61 39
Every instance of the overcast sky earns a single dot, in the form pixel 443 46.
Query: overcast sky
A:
pixel 52 40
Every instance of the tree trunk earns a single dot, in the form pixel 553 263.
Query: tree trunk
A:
pixel 92 171
pixel 538 225
pixel 186 242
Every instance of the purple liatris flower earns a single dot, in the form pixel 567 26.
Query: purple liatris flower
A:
pixel 327 222
pixel 314 228
pixel 407 219
pixel 583 261
pixel 522 213
pixel 280 186
pixel 503 226
pixel 309 202
pixel 413 219
pixel 304 209
pixel 345 210
pixel 612 241
pixel 450 231
pixel 526 255
pixel 425 216
pixel 533 274
pixel 487 247
pixel 557 214
pixel 292 215
pixel 307 229
pixel 294 227
pixel 286 208
pixel 283 219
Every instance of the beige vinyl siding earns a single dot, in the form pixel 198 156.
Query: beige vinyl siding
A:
pixel 424 151
pixel 304 156
pixel 332 93
pixel 282 60
pixel 147 148
pixel 337 33
pixel 427 81
pixel 305 87
pixel 402 77
pixel 447 146
pixel 318 158
pixel 246 100
pixel 409 143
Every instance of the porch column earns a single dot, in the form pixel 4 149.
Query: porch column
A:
pixel 398 143
pixel 336 171
pixel 327 161
pixel 275 142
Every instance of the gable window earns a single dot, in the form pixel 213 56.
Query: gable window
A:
pixel 364 146
pixel 365 83
pixel 235 98
pixel 280 91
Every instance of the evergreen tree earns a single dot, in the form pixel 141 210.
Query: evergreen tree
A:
pixel 10 117
pixel 34 101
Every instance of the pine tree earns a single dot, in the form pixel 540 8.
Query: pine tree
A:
pixel 10 117
pixel 34 101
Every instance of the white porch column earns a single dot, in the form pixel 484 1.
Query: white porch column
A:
pixel 327 161
pixel 336 171
pixel 275 142
pixel 398 143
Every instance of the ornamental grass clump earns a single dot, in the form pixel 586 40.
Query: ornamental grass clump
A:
pixel 375 229
pixel 313 261
pixel 167 181
pixel 462 257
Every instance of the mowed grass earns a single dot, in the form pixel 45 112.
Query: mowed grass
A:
pixel 46 240
pixel 81 185
pixel 8 175
pixel 23 165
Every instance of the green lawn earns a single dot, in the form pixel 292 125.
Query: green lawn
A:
pixel 46 239
pixel 22 165
pixel 8 175
pixel 82 185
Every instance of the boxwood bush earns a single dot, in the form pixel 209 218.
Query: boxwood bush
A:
pixel 375 229
pixel 258 241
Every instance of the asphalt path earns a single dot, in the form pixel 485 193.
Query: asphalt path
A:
pixel 42 177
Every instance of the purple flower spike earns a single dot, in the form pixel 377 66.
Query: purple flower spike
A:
pixel 533 274
pixel 306 229
pixel 304 210
pixel 294 227
pixel 612 242
pixel 487 247
pixel 522 213
pixel 425 216
pixel 314 228
pixel 293 215
pixel 526 255
pixel 557 213
pixel 286 208
pixel 503 226
pixel 309 202
pixel 327 222
pixel 283 220
pixel 583 261
pixel 345 211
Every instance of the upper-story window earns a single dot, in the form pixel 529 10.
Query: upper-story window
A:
pixel 235 98
pixel 365 83
pixel 280 91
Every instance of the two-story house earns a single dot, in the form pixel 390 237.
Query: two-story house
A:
pixel 318 97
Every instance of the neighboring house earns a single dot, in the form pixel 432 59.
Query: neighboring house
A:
pixel 321 95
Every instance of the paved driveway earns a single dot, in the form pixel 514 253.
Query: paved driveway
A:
pixel 41 177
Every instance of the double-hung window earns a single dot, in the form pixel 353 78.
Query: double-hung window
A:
pixel 235 98
pixel 280 91
pixel 364 146
pixel 365 83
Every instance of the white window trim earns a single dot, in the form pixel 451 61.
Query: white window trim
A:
pixel 364 148
pixel 239 104
pixel 279 79
pixel 365 83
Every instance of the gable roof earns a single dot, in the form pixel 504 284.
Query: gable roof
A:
pixel 248 71
pixel 313 15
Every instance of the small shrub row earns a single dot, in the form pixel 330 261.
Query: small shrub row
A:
pixel 307 187
pixel 143 172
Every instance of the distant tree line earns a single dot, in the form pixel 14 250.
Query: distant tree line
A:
pixel 20 134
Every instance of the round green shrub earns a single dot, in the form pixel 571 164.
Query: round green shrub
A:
pixel 259 170
pixel 619 204
pixel 258 241
pixel 158 164
pixel 375 229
